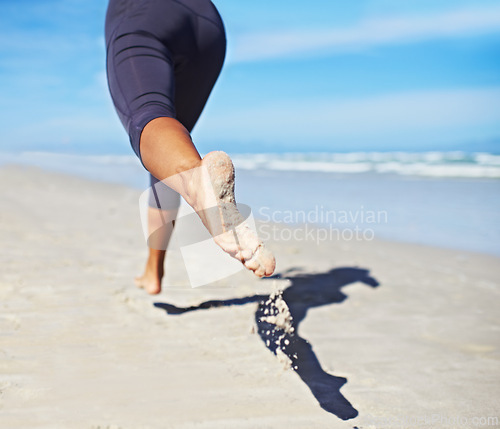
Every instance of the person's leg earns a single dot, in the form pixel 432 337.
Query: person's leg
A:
pixel 208 186
pixel 163 205
pixel 168 152
pixel 160 226
pixel 142 86
pixel 146 94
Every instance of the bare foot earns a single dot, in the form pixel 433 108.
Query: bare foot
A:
pixel 150 281
pixel 212 188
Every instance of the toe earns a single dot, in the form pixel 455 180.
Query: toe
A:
pixel 259 272
pixel 271 266
pixel 252 264
pixel 246 254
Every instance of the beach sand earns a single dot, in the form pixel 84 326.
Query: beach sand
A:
pixel 382 332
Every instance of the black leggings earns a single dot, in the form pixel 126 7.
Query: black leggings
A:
pixel 163 59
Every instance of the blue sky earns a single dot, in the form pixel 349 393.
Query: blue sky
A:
pixel 320 75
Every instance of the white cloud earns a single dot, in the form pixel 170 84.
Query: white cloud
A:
pixel 368 33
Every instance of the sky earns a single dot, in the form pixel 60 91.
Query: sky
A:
pixel 306 76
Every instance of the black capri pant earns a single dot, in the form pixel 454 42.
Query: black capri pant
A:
pixel 163 59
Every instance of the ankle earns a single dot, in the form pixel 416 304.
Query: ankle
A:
pixel 154 265
pixel 155 274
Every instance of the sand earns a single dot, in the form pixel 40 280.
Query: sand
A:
pixel 376 334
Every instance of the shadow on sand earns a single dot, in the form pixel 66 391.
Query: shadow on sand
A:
pixel 306 291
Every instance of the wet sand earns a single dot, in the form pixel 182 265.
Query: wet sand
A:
pixel 384 334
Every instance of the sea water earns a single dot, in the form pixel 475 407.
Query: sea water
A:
pixel 446 199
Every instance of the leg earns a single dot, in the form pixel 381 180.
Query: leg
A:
pixel 208 186
pixel 167 139
pixel 141 83
pixel 168 152
pixel 160 225
pixel 162 212
pixel 160 80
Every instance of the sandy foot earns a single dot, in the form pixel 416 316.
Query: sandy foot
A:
pixel 213 185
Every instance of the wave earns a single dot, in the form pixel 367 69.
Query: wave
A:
pixel 429 164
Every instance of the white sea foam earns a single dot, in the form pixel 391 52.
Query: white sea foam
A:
pixel 428 164
pixel 454 164
pixel 323 166
pixel 487 159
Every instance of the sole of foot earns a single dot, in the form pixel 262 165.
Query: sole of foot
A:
pixel 218 211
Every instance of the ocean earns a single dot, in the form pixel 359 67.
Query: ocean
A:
pixel 445 199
